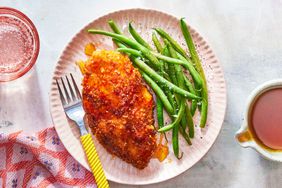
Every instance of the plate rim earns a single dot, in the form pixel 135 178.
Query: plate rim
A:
pixel 175 18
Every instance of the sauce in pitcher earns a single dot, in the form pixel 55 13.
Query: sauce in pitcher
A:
pixel 266 119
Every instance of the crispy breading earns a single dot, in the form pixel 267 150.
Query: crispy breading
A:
pixel 119 108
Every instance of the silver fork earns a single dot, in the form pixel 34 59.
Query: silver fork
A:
pixel 71 100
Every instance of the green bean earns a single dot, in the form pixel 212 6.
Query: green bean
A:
pixel 192 90
pixel 164 52
pixel 170 97
pixel 160 49
pixel 204 112
pixel 175 142
pixel 171 74
pixel 189 85
pixel 157 43
pixel 194 105
pixel 190 122
pixel 179 128
pixel 176 121
pixel 198 66
pixel 173 67
pixel 175 130
pixel 169 59
pixel 131 51
pixel 114 27
pixel 183 122
pixel 168 93
pixel 178 78
pixel 119 43
pixel 160 115
pixel 158 91
pixel 170 67
pixel 185 135
pixel 160 112
pixel 192 49
pixel 166 76
pixel 174 44
pixel 146 52
pixel 137 37
pixel 171 51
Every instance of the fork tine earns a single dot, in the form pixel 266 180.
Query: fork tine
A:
pixel 66 91
pixel 71 89
pixel 75 87
pixel 64 102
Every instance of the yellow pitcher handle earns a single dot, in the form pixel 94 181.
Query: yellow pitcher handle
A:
pixel 94 161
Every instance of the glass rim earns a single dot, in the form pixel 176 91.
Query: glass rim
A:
pixel 22 17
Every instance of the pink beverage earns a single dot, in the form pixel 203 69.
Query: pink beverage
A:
pixel 19 44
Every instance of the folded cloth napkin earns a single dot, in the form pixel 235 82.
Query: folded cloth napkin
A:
pixel 39 160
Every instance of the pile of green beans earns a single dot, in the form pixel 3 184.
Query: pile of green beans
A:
pixel 163 70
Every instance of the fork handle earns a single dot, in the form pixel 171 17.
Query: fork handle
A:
pixel 94 161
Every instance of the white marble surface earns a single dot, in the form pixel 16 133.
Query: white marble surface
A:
pixel 245 35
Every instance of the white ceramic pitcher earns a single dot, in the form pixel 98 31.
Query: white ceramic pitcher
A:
pixel 245 135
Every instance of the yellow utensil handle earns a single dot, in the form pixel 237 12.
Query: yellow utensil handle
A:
pixel 94 161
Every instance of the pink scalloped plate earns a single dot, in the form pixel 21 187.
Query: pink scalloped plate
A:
pixel 116 170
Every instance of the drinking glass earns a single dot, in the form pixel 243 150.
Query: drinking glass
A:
pixel 20 99
pixel 19 44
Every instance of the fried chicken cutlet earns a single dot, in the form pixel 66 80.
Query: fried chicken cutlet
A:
pixel 119 107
